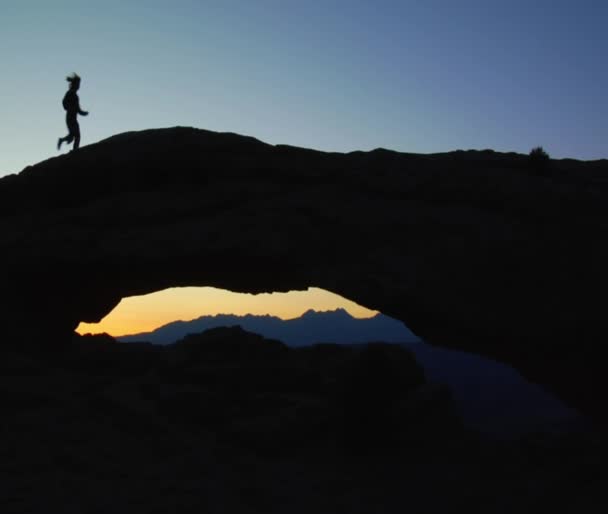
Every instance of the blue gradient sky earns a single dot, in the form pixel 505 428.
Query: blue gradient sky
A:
pixel 336 75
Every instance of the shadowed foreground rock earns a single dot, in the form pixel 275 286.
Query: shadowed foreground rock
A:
pixel 473 250
pixel 229 422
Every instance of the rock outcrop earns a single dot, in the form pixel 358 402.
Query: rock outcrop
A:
pixel 478 251
pixel 228 421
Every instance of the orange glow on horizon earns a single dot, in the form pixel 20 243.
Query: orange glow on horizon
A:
pixel 137 314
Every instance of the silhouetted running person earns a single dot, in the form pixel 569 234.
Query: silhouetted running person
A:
pixel 72 106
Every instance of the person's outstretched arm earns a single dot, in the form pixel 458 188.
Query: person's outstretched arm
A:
pixel 81 112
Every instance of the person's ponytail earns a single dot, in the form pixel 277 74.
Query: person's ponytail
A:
pixel 73 78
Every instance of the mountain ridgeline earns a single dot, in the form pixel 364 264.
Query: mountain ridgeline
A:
pixel 336 326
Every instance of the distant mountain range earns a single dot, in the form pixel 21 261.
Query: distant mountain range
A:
pixel 490 396
pixel 336 326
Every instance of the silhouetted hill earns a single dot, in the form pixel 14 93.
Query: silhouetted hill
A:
pixel 477 251
pixel 312 327
pixel 229 421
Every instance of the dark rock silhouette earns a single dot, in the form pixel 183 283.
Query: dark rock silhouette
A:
pixel 71 104
pixel 470 249
pixel 227 421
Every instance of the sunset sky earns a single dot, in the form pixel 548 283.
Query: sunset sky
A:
pixel 145 313
pixel 415 76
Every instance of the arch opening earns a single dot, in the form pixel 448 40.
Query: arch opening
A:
pixel 146 313
pixel 302 318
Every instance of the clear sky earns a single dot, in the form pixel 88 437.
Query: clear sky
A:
pixel 416 76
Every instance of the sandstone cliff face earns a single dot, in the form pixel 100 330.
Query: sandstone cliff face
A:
pixel 472 250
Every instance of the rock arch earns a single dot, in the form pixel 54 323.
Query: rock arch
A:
pixel 473 250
